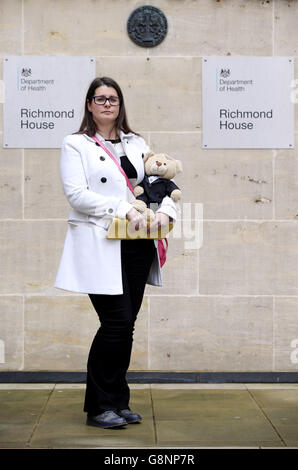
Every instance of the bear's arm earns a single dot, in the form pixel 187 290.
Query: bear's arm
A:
pixel 144 195
pixel 171 186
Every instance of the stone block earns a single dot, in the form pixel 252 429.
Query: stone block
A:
pixel 12 333
pixel 285 21
pixel 160 93
pixel 31 251
pixel 58 332
pixel 180 273
pixel 285 334
pixel 286 183
pixel 96 28
pixel 255 258
pixel 210 333
pixel 44 196
pixel 230 183
pixel 11 196
pixel 207 27
pixel 139 356
pixel 11 27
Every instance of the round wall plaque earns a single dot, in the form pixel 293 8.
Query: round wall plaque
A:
pixel 147 26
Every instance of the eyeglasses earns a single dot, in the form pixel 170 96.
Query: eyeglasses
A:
pixel 101 100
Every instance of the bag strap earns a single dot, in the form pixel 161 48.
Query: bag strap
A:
pixel 115 161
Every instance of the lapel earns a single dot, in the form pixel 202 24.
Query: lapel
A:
pixel 133 153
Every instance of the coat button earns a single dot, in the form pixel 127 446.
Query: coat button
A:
pixel 103 180
pixel 102 158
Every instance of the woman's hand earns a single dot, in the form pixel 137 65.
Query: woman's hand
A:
pixel 136 220
pixel 161 220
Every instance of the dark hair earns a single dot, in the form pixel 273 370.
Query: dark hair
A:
pixel 88 125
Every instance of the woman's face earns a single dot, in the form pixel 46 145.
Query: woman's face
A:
pixel 104 113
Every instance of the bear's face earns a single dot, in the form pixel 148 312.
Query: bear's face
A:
pixel 159 164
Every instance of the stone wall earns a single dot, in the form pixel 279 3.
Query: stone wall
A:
pixel 229 306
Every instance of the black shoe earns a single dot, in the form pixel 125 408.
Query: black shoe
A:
pixel 108 419
pixel 130 416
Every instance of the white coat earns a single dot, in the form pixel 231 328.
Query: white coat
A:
pixel 97 191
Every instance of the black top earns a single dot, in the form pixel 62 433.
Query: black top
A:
pixel 155 192
pixel 126 164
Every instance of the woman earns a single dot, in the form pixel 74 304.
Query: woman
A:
pixel 112 272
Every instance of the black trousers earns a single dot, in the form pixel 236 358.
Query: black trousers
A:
pixel 110 352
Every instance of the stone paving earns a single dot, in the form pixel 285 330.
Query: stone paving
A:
pixel 174 415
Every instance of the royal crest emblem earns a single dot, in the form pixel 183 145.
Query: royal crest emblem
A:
pixel 26 72
pixel 147 26
pixel 225 73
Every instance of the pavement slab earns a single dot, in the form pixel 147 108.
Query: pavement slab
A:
pixel 51 416
pixel 20 411
pixel 63 424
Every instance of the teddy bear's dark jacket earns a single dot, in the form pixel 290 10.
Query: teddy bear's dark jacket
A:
pixel 155 192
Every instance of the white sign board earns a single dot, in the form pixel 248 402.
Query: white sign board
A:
pixel 44 99
pixel 247 102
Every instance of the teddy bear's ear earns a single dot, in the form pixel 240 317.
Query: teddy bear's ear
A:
pixel 178 166
pixel 148 155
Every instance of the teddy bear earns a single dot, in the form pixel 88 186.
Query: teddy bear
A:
pixel 160 169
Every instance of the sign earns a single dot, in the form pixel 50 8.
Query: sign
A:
pixel 247 102
pixel 44 99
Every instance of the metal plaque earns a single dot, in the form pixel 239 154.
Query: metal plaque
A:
pixel 247 102
pixel 44 99
pixel 147 26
